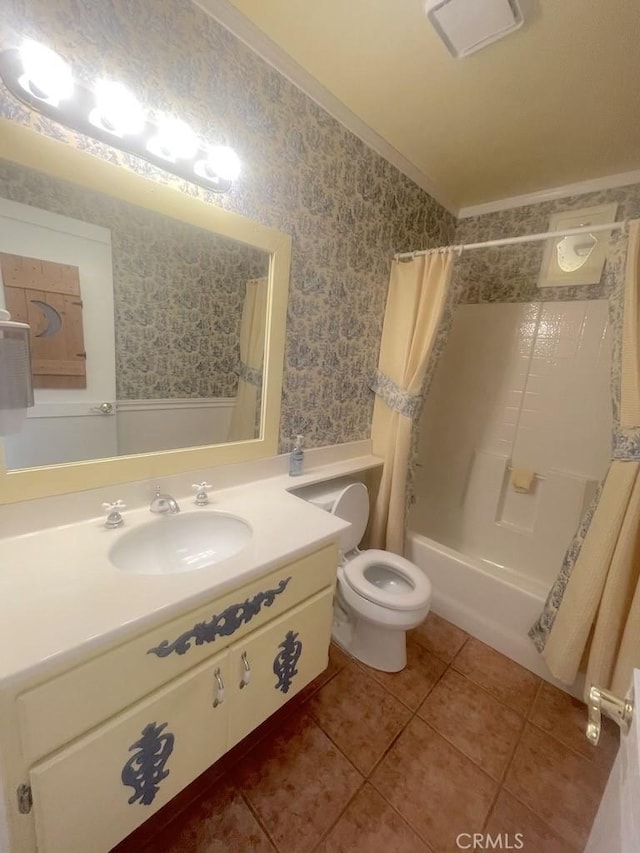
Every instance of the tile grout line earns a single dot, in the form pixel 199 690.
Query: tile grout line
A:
pixel 508 762
pixel 525 714
pixel 327 832
pixel 535 699
pixel 545 822
pixel 256 817
pixel 402 817
pixel 439 657
pixel 561 743
pixel 525 720
pixel 505 771
pixel 394 695
pixel 414 714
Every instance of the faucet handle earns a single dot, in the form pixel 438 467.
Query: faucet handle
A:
pixel 114 519
pixel 201 489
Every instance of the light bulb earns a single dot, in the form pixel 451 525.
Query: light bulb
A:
pixel 173 141
pixel 46 75
pixel 221 166
pixel 116 110
pixel 224 162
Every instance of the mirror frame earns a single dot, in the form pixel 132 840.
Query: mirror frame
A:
pixel 27 147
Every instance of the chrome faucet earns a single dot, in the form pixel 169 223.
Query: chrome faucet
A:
pixel 114 519
pixel 164 504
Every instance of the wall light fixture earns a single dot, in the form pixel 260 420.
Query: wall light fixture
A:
pixel 108 111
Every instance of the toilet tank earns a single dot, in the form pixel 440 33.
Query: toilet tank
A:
pixel 347 500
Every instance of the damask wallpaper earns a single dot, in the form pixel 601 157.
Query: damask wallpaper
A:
pixel 347 209
pixel 178 290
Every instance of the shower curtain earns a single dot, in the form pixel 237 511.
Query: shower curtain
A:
pixel 245 417
pixel 594 605
pixel 415 305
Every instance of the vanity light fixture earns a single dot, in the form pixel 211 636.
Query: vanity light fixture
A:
pixel 108 111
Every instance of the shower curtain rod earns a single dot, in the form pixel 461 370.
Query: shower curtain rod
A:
pixel 511 241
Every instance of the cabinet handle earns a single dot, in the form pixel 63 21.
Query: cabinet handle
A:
pixel 219 690
pixel 246 675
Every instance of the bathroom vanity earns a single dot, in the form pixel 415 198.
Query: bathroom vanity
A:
pixel 118 689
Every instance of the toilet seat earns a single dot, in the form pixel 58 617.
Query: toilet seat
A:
pixel 388 580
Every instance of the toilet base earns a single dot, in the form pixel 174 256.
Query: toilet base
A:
pixel 374 645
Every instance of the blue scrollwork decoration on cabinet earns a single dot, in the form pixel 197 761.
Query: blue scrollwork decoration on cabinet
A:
pixel 220 625
pixel 145 769
pixel 284 665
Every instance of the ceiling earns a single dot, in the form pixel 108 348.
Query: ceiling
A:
pixel 554 103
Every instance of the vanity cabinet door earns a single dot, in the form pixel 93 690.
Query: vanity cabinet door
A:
pixel 271 665
pixel 90 795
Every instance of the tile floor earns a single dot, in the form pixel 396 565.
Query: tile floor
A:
pixel 463 740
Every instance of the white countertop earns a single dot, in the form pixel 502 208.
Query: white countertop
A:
pixel 61 599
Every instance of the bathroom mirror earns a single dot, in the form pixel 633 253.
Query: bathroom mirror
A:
pixel 177 340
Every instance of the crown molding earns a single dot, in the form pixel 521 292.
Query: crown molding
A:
pixel 621 179
pixel 233 20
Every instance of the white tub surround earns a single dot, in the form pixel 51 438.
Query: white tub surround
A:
pixel 115 678
pixel 519 386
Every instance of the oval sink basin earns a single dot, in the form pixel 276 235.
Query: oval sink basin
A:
pixel 180 543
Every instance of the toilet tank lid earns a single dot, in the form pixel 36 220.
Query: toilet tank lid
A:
pixel 349 501
pixel 325 494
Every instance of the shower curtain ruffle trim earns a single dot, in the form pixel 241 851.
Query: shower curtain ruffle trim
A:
pixel 249 374
pixel 626 444
pixel 539 632
pixel 395 397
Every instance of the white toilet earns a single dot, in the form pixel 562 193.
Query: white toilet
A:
pixel 379 595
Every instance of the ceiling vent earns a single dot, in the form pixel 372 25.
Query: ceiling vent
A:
pixel 469 25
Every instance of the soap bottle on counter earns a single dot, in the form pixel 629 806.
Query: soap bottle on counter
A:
pixel 296 457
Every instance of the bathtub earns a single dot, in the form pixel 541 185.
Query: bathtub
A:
pixel 494 603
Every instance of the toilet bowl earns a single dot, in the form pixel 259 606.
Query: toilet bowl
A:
pixel 379 595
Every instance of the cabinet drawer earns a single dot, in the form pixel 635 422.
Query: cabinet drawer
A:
pixel 92 794
pixel 58 711
pixel 280 659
